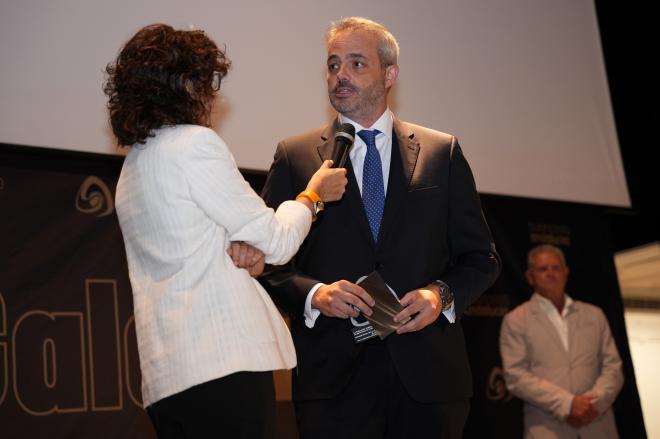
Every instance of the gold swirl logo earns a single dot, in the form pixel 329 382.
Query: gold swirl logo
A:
pixel 94 198
pixel 496 389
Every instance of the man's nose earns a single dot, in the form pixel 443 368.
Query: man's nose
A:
pixel 343 74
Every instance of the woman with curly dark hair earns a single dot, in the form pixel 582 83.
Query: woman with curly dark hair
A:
pixel 208 334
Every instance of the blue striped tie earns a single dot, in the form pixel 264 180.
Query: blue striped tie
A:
pixel 373 189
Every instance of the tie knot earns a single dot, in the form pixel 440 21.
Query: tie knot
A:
pixel 369 136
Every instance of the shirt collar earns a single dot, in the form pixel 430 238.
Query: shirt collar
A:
pixel 383 124
pixel 547 303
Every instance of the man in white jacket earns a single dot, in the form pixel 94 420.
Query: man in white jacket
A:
pixel 559 357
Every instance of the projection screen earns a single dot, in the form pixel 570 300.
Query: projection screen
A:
pixel 521 83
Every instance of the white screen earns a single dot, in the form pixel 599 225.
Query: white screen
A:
pixel 521 83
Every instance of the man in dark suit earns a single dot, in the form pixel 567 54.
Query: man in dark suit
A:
pixel 411 212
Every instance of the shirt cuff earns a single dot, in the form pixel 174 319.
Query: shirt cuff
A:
pixel 568 407
pixel 311 314
pixel 450 313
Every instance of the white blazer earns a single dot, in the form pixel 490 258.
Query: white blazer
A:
pixel 180 201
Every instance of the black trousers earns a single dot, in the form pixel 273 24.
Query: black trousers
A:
pixel 375 405
pixel 240 405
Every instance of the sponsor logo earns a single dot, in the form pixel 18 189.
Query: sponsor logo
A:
pixel 94 198
pixel 55 361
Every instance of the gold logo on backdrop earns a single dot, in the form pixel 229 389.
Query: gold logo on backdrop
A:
pixel 94 197
pixel 489 306
pixel 496 389
pixel 545 233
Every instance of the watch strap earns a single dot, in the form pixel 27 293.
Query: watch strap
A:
pixel 311 195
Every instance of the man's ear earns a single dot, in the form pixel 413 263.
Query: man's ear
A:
pixel 530 279
pixel 391 73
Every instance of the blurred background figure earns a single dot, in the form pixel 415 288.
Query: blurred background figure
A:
pixel 559 356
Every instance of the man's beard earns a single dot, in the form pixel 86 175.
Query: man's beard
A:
pixel 363 103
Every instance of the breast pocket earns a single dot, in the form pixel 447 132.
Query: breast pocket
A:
pixel 427 200
pixel 423 190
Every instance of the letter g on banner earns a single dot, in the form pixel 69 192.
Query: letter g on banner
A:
pixel 94 197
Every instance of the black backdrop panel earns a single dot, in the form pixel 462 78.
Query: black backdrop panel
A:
pixel 70 360
pixel 68 357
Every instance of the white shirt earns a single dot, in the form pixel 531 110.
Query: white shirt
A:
pixel 358 152
pixel 558 320
pixel 180 201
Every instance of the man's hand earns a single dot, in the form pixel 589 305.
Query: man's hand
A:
pixel 245 256
pixel 425 302
pixel 335 300
pixel 583 411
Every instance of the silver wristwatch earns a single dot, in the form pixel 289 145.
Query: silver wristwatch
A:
pixel 445 294
pixel 317 208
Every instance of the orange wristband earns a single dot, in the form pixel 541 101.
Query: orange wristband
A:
pixel 311 195
pixel 317 204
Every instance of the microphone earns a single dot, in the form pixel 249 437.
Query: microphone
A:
pixel 344 138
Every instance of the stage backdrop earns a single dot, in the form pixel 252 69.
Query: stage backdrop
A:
pixel 68 357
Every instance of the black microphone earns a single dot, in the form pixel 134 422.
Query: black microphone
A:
pixel 344 138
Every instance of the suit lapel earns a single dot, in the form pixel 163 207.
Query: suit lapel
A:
pixel 573 318
pixel 327 141
pixel 408 147
pixel 547 325
pixel 405 150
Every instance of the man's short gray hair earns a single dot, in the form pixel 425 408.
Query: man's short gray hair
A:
pixel 388 48
pixel 542 249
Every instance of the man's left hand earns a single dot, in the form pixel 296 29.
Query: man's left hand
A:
pixel 425 304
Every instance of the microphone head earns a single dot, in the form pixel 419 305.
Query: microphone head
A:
pixel 347 131
pixel 344 138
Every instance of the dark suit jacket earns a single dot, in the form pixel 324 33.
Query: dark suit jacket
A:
pixel 432 228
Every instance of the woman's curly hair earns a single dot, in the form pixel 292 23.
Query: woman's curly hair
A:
pixel 162 77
